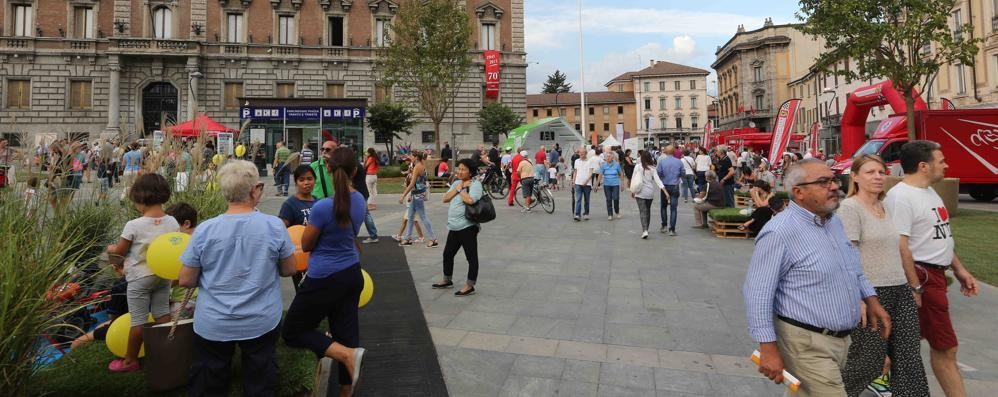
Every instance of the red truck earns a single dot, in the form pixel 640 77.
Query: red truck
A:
pixel 969 137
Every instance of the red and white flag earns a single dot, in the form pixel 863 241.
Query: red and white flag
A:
pixel 708 130
pixel 784 124
pixel 491 73
pixel 814 137
pixel 947 104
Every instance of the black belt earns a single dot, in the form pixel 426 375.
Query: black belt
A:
pixel 931 266
pixel 809 327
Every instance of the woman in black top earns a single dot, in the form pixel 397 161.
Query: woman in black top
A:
pixel 628 163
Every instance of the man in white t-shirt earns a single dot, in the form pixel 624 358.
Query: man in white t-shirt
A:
pixel 927 245
pixel 582 176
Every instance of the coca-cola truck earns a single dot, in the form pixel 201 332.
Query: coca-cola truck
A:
pixel 969 137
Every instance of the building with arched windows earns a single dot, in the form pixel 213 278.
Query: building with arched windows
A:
pixel 87 68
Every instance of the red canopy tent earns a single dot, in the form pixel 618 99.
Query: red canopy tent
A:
pixel 201 123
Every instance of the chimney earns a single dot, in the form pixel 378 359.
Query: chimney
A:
pixel 651 62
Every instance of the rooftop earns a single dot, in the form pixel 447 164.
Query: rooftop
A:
pixel 573 98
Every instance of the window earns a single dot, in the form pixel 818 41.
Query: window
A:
pixel 647 86
pixel 285 90
pixel 647 103
pixel 758 102
pixel 693 102
pixel 286 29
pixel 382 93
pixel 693 84
pixel 679 123
pixel 661 103
pixel 83 23
pixel 592 127
pixel 694 122
pixel 679 103
pixel 661 122
pixel 547 135
pixel 958 24
pixel 336 31
pixel 561 112
pixel 592 110
pixel 961 83
pixel 80 97
pixel 232 93
pixel 23 21
pixel 577 111
pixel 381 138
pixel 648 123
pixel 606 127
pixel 18 94
pixel 620 110
pixel 535 112
pixel 335 90
pixel 606 110
pixel 488 37
pixel 548 112
pixel 427 136
pixel 491 138
pixel 162 23
pixel 234 28
pixel 381 32
pixel 661 86
pixel 13 138
pixel 757 73
pixel 578 127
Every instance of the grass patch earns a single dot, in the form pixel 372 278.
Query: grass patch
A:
pixel 728 215
pixel 975 233
pixel 83 372
pixel 394 186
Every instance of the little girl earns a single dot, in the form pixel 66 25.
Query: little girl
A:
pixel 146 291
pixel 30 196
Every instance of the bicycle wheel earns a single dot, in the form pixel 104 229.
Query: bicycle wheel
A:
pixel 498 188
pixel 547 201
pixel 518 195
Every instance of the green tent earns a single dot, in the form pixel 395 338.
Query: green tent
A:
pixel 546 131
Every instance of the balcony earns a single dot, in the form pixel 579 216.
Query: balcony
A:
pixel 158 47
pixel 18 44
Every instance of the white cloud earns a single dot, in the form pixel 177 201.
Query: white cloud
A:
pixel 683 51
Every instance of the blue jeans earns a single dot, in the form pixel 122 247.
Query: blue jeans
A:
pixel 673 207
pixel 729 195
pixel 369 224
pixel 612 194
pixel 418 206
pixel 541 174
pixel 582 193
pixel 283 178
pixel 701 180
pixel 688 186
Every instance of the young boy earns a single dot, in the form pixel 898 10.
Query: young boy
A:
pixel 553 177
pixel 187 217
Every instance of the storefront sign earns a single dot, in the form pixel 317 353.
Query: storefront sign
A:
pixel 225 143
pixel 257 135
pixel 157 138
pixel 300 113
pixel 491 73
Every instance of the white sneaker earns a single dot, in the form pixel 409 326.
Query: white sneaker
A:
pixel 370 240
pixel 585 217
pixel 644 235
pixel 609 218
pixel 619 216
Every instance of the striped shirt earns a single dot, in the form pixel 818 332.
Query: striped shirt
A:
pixel 804 271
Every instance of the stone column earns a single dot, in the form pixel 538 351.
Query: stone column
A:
pixel 114 98
pixel 193 75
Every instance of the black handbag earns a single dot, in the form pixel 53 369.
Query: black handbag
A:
pixel 482 211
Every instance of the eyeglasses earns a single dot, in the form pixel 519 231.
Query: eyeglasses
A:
pixel 824 182
pixel 327 149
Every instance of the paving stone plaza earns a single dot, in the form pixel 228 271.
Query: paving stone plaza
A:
pixel 589 309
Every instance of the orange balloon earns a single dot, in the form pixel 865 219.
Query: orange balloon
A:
pixel 301 257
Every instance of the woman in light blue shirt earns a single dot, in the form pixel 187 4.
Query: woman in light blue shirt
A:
pixel 610 171
pixel 462 232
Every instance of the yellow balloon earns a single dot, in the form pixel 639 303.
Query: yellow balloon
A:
pixel 240 150
pixel 163 255
pixel 368 292
pixel 218 159
pixel 117 335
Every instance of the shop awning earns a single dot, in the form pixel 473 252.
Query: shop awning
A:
pixel 201 123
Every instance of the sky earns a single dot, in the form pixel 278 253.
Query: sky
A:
pixel 624 35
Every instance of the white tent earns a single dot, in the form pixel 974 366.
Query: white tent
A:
pixel 610 141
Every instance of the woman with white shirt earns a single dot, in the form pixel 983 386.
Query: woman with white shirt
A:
pixel 702 162
pixel 650 182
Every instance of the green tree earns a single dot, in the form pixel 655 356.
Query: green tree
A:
pixel 556 83
pixel 387 120
pixel 428 56
pixel 497 118
pixel 905 41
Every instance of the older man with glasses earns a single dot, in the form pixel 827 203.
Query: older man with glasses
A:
pixel 804 286
pixel 323 178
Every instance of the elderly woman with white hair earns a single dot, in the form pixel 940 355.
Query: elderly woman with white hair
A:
pixel 237 259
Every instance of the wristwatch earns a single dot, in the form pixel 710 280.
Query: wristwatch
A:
pixel 919 289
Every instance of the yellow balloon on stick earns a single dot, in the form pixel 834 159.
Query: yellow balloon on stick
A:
pixel 117 335
pixel 218 159
pixel 240 150
pixel 368 292
pixel 163 255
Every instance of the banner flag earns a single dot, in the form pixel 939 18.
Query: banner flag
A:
pixel 708 130
pixel 814 137
pixel 947 104
pixel 784 125
pixel 491 73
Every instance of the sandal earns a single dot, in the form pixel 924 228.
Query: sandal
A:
pixel 118 367
pixel 405 243
pixel 432 244
pixel 470 291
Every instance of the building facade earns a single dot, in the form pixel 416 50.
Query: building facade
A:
pixel 604 111
pixel 671 101
pixel 754 70
pixel 87 68
pixel 971 86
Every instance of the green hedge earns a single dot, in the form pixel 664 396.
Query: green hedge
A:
pixel 389 171
pixel 83 372
pixel 728 215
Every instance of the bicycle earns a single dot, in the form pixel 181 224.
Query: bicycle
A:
pixel 541 196
pixel 495 184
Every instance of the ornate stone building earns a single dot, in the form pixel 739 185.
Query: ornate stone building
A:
pixel 754 69
pixel 90 67
pixel 671 101
pixel 976 85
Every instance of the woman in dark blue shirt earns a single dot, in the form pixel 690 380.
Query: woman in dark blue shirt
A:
pixel 295 209
pixel 332 285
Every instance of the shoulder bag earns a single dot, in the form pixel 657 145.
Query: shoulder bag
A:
pixel 481 211
pixel 637 179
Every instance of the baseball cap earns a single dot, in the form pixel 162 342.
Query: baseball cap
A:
pixel 524 153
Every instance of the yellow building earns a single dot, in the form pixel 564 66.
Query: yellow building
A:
pixel 971 86
pixel 755 69
pixel 605 110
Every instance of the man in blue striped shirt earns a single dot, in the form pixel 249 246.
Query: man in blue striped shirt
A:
pixel 805 284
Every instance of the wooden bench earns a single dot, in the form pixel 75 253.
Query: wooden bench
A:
pixel 438 183
pixel 728 230
pixel 742 201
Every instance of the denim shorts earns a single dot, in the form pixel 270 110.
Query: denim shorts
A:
pixel 528 186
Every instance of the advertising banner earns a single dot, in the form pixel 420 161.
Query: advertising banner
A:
pixel 708 130
pixel 784 125
pixel 491 73
pixel 225 143
pixel 299 113
pixel 814 137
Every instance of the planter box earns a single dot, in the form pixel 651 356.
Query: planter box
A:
pixel 728 230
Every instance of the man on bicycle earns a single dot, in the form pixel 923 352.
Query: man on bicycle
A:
pixel 526 172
